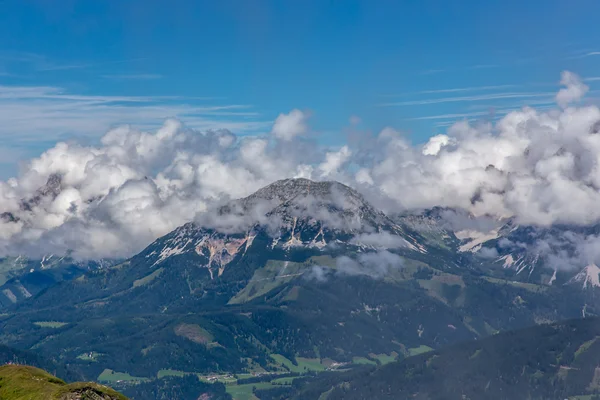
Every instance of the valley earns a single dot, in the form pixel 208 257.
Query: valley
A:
pixel 337 286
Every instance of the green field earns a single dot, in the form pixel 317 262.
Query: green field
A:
pixel 362 360
pixel 265 279
pixel 170 372
pixel 283 381
pixel 276 273
pixel 304 364
pixel 384 358
pixel 147 279
pixel 527 286
pixel 244 392
pixel 108 375
pixel 419 350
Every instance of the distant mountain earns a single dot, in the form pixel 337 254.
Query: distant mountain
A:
pixel 19 382
pixel 49 191
pixel 293 215
pixel 546 362
pixel 10 355
pixel 299 273
pixel 503 249
pixel 22 277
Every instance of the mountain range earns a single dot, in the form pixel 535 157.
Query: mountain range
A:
pixel 300 277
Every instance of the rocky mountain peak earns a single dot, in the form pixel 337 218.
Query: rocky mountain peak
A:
pixel 51 190
pixel 288 189
pixel 303 199
pixel 589 277
pixel 290 213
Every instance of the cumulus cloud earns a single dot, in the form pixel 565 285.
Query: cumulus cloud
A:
pixel 574 89
pixel 540 167
pixel 334 161
pixel 48 113
pixel 112 200
pixel 435 144
pixel 288 126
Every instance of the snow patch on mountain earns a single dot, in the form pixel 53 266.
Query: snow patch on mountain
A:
pixel 589 276
pixel 552 279
pixel 508 261
pixel 168 251
pixel 10 295
pixel 23 290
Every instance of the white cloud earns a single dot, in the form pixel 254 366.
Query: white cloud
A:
pixel 381 240
pixel 376 264
pixel 435 144
pixel 540 166
pixel 142 77
pixel 334 161
pixel 33 113
pixel 137 185
pixel 587 54
pixel 288 126
pixel 456 90
pixel 575 89
pixel 482 97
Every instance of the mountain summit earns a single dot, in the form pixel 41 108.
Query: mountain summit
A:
pixel 288 214
pixel 332 203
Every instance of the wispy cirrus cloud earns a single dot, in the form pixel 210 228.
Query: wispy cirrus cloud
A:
pixel 586 54
pixel 445 120
pixel 483 66
pixel 431 71
pixel 453 90
pixel 449 116
pixel 135 77
pixel 493 96
pixel 41 63
pixel 33 113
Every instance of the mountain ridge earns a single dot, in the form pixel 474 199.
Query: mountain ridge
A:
pixel 297 287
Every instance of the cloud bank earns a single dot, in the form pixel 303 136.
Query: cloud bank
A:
pixel 540 166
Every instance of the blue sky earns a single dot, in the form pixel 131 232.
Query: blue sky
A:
pixel 74 70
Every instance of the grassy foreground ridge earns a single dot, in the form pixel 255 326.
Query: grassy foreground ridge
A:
pixel 20 382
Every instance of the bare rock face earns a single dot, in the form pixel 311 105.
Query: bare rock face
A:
pixel 50 190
